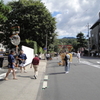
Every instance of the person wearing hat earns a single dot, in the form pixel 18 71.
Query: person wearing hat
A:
pixel 35 63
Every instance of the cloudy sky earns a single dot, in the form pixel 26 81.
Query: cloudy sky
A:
pixel 73 16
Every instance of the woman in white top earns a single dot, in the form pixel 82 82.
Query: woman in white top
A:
pixel 78 56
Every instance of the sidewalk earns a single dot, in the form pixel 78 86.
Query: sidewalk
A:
pixel 24 88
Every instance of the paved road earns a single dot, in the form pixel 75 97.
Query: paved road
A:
pixel 81 83
pixel 25 88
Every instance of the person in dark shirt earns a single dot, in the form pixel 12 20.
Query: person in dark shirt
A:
pixel 1 58
pixel 11 65
pixel 22 60
pixel 35 63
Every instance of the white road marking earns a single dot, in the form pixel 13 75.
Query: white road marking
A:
pixel 46 77
pixel 98 62
pixel 44 85
pixel 45 82
pixel 90 64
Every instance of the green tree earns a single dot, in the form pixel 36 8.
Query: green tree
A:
pixel 67 41
pixel 81 40
pixel 4 10
pixel 34 19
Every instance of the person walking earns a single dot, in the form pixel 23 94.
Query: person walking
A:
pixel 22 60
pixel 1 58
pixel 48 56
pixel 11 65
pixel 78 56
pixel 35 63
pixel 67 62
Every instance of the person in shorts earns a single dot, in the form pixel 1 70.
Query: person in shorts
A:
pixel 11 65
pixel 35 63
pixel 22 60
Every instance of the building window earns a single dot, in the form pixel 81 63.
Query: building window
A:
pixel 92 35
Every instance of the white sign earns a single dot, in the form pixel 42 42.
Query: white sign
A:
pixel 29 53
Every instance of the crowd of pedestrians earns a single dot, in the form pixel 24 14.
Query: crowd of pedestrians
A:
pixel 20 61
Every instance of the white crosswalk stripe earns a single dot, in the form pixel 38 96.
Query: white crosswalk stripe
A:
pixel 90 64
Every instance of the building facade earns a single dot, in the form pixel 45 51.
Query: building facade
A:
pixel 95 37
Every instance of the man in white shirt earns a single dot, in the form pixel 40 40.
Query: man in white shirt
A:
pixel 48 56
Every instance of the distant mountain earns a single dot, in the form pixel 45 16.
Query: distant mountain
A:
pixel 68 38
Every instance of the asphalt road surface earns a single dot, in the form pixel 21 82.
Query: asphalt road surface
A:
pixel 81 83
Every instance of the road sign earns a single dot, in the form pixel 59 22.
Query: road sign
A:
pixel 15 40
pixel 45 48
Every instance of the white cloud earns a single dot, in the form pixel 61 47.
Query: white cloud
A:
pixel 74 15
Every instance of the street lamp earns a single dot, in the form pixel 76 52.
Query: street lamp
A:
pixel 47 42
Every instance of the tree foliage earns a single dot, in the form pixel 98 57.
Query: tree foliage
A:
pixel 34 19
pixel 66 41
pixel 81 40
pixel 4 10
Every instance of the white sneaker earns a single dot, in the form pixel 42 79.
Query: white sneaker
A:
pixel 35 77
pixel 66 72
pixel 25 71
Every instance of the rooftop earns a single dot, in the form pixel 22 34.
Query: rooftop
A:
pixel 95 24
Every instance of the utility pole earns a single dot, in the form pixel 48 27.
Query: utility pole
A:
pixel 88 39
pixel 46 42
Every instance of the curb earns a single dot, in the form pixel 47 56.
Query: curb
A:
pixel 4 74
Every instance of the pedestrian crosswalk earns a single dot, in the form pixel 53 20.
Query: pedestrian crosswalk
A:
pixel 90 64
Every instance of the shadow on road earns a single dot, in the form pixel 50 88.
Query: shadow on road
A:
pixel 2 80
pixel 56 73
pixel 24 76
